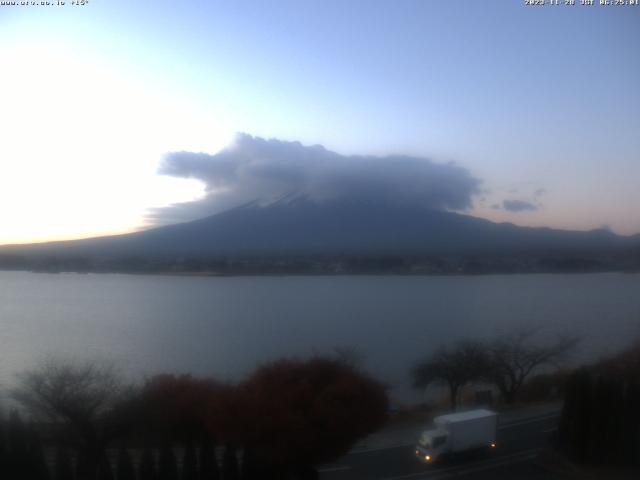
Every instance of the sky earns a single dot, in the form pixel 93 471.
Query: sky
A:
pixel 511 112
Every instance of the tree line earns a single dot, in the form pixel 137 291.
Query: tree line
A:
pixel 506 362
pixel 85 422
pixel 288 417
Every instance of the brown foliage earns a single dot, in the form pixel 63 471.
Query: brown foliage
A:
pixel 307 412
pixel 626 362
pixel 544 387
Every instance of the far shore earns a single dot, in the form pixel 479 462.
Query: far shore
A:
pixel 173 273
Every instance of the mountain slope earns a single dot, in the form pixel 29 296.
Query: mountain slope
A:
pixel 301 227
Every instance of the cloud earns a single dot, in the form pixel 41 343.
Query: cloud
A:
pixel 256 169
pixel 518 206
pixel 539 192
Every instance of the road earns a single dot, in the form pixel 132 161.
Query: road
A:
pixel 519 443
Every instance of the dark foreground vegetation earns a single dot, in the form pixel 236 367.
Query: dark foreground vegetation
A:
pixel 600 422
pixel 82 421
pixel 86 423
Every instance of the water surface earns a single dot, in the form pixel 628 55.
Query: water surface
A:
pixel 224 326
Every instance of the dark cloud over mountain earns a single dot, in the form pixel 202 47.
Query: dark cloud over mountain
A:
pixel 255 169
pixel 518 206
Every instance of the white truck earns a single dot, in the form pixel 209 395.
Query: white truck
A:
pixel 458 432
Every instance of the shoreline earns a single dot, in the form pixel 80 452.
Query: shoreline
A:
pixel 213 274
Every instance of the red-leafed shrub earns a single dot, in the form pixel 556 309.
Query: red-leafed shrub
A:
pixel 300 413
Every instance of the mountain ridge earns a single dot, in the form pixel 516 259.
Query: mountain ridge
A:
pixel 297 226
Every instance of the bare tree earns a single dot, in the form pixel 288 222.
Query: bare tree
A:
pixel 87 399
pixel 515 356
pixel 454 367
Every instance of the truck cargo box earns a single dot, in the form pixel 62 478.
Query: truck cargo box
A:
pixel 467 430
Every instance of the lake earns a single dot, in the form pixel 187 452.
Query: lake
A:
pixel 225 326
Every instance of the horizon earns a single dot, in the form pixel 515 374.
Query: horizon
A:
pixel 120 117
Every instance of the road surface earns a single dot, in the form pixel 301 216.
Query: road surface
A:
pixel 519 443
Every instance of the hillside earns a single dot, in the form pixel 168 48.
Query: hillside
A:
pixel 301 228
